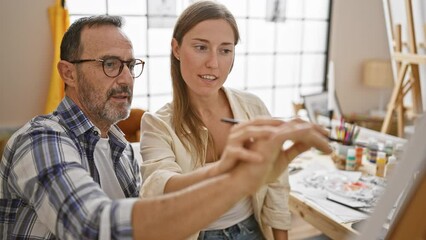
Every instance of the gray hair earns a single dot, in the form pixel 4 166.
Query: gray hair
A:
pixel 71 47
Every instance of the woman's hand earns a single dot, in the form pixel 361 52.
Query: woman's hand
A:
pixel 239 139
pixel 303 136
pixel 255 148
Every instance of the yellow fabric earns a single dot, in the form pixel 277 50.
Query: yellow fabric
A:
pixel 59 23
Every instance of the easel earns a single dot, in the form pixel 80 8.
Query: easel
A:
pixel 408 77
pixel 405 195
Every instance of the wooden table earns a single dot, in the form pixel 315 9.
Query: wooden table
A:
pixel 318 219
pixel 307 210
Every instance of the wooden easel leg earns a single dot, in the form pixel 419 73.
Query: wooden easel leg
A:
pixel 415 90
pixel 400 120
pixel 415 75
pixel 394 99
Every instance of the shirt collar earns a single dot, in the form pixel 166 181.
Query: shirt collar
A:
pixel 73 117
pixel 78 122
pixel 238 110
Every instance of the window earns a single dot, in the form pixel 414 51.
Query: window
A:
pixel 288 61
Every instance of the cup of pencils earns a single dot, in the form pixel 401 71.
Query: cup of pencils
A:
pixel 345 136
pixel 346 133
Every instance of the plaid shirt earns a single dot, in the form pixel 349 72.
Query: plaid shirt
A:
pixel 49 184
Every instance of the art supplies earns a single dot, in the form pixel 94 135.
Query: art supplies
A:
pixel 398 150
pixel 388 147
pixel 372 148
pixel 380 164
pixel 350 160
pixel 346 133
pixel 359 152
pixel 236 121
pixel 390 165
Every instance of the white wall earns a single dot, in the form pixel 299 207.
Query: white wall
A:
pixel 358 32
pixel 25 50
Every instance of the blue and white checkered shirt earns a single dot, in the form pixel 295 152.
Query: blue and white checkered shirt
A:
pixel 49 184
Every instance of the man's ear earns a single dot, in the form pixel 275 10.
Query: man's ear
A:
pixel 67 72
pixel 175 49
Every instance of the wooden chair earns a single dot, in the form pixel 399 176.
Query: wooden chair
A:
pixel 131 125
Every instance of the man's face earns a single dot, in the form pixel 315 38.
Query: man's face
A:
pixel 104 99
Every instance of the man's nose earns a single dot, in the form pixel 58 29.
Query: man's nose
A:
pixel 126 76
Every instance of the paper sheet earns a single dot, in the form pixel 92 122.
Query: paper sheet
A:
pixel 308 183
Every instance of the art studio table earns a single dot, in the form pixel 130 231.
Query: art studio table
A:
pixel 320 212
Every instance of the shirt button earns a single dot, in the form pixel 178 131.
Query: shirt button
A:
pixel 96 133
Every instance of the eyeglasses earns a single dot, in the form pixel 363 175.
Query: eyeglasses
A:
pixel 113 66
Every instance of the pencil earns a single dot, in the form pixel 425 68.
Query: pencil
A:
pixel 235 121
pixel 230 120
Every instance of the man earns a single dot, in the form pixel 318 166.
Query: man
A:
pixel 72 175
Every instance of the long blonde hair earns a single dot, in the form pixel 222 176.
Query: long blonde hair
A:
pixel 186 121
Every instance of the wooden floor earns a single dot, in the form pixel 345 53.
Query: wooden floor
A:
pixel 301 230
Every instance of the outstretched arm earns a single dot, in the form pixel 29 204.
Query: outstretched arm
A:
pixel 178 215
pixel 251 130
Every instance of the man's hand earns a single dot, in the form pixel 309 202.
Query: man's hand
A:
pixel 240 137
pixel 302 134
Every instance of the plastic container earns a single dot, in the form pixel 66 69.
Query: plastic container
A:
pixel 381 164
pixel 350 160
pixel 389 147
pixel 390 165
pixel 398 150
pixel 372 149
pixel 359 152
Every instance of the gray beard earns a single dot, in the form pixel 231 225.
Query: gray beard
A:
pixel 104 111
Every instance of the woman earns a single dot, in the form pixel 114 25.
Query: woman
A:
pixel 188 133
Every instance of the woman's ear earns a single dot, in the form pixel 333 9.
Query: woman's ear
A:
pixel 175 48
pixel 67 72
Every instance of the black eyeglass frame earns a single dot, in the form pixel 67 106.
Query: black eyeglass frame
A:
pixel 116 58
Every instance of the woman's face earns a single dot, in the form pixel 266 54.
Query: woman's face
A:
pixel 206 56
